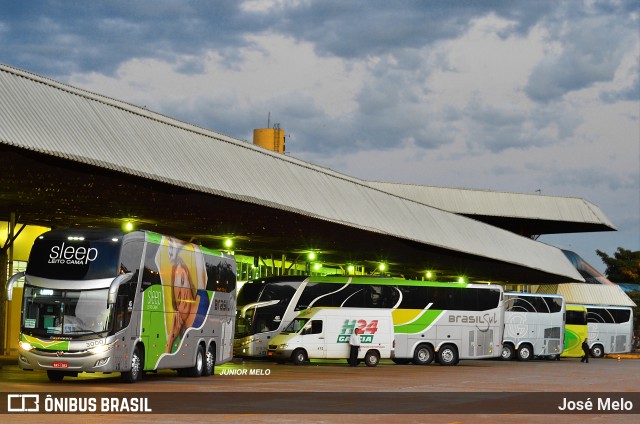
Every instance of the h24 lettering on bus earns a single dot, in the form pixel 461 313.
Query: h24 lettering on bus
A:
pixel 367 330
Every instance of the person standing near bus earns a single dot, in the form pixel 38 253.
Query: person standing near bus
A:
pixel 354 343
pixel 585 350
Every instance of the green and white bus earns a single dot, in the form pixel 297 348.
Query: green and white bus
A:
pixel 534 326
pixel 610 329
pixel 575 330
pixel 100 300
pixel 442 321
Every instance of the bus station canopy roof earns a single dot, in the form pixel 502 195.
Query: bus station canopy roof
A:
pixel 69 157
pixel 589 294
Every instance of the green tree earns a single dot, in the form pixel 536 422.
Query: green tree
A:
pixel 624 267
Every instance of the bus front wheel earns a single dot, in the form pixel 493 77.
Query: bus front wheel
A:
pixel 597 351
pixel 55 375
pixel 448 355
pixel 134 373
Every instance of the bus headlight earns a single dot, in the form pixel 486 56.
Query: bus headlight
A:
pixel 26 346
pixel 283 346
pixel 96 350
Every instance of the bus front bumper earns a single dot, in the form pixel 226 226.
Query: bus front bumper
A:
pixel 73 362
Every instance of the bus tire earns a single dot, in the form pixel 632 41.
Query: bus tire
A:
pixel 508 352
pixel 371 358
pixel 55 375
pixel 597 351
pixel 135 372
pixel 299 356
pixel 448 355
pixel 197 369
pixel 423 355
pixel 209 361
pixel 525 352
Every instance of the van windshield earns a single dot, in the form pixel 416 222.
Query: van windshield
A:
pixel 295 325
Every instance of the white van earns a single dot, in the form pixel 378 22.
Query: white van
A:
pixel 323 333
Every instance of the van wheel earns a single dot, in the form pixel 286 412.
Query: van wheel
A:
pixel 209 361
pixel 508 352
pixel 135 372
pixel 299 356
pixel 525 352
pixel 597 351
pixel 448 355
pixel 423 355
pixel 371 358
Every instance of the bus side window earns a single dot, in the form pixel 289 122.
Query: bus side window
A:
pixel 124 306
pixel 131 257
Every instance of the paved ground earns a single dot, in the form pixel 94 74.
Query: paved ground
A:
pixel 470 386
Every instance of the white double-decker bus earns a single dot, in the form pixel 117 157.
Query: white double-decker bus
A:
pixel 442 321
pixel 534 326
pixel 103 301
pixel 610 329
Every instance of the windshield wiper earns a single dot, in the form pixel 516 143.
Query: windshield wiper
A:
pixel 86 332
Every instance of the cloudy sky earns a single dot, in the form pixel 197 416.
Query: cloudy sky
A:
pixel 515 96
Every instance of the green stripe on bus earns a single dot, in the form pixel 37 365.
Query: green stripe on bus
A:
pixel 421 324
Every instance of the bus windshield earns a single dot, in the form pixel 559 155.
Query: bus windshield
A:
pixel 259 318
pixel 74 313
pixel 295 325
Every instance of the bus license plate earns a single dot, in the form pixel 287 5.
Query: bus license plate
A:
pixel 60 365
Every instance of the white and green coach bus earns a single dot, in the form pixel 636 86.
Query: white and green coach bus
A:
pixel 442 321
pixel 534 326
pixel 99 300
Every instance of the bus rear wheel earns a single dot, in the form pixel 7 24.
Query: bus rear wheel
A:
pixel 423 355
pixel 197 369
pixel 448 355
pixel 525 352
pixel 299 356
pixel 508 353
pixel 209 361
pixel 597 351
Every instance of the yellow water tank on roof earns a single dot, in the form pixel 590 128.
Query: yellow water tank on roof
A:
pixel 269 138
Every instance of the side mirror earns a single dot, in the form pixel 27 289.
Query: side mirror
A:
pixel 12 281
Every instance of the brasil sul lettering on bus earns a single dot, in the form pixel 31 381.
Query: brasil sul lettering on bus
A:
pixel 474 319
pixel 72 255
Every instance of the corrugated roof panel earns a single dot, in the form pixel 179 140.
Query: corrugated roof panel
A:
pixel 491 203
pixel 100 131
pixel 589 294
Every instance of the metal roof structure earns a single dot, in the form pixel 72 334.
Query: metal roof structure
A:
pixel 589 294
pixel 71 157
pixel 521 213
